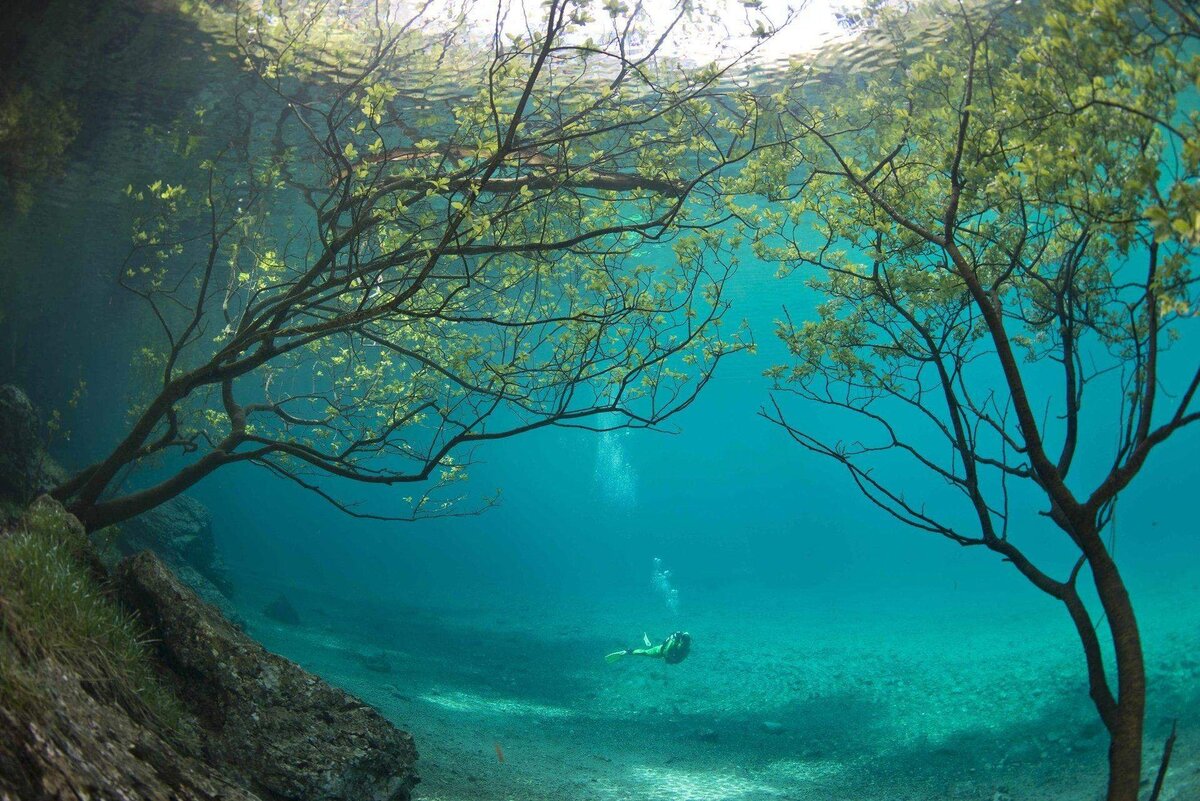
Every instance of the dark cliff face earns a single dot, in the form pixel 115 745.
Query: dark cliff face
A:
pixel 25 468
pixel 19 443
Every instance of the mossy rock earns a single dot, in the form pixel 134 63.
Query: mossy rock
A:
pixel 55 608
pixel 82 711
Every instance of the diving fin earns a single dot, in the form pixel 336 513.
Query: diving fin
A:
pixel 646 639
pixel 614 656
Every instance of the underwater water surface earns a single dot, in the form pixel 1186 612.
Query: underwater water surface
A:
pixel 836 653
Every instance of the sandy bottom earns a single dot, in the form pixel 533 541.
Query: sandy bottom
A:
pixel 775 702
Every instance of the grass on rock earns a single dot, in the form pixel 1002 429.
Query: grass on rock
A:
pixel 54 609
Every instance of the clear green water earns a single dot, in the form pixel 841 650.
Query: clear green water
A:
pixel 837 655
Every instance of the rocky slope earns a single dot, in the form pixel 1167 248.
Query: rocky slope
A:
pixel 257 726
pixel 280 730
pixel 82 714
pixel 81 747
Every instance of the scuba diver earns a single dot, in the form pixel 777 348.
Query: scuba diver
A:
pixel 672 650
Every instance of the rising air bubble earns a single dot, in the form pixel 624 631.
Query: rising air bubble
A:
pixel 661 580
pixel 614 475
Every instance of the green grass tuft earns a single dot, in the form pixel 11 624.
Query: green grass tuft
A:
pixel 52 608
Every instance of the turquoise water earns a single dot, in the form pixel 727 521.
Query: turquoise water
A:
pixel 837 654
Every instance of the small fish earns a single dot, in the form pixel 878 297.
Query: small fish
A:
pixel 499 752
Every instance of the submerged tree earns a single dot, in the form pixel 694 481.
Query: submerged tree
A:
pixel 1004 237
pixel 410 240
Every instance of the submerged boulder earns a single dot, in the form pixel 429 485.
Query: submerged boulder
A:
pixel 376 661
pixel 281 731
pixel 281 610
pixel 180 532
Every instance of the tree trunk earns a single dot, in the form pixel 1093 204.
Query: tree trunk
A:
pixel 98 515
pixel 1125 748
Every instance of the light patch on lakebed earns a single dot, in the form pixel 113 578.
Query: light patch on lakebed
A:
pixel 799 770
pixel 673 784
pixel 479 704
